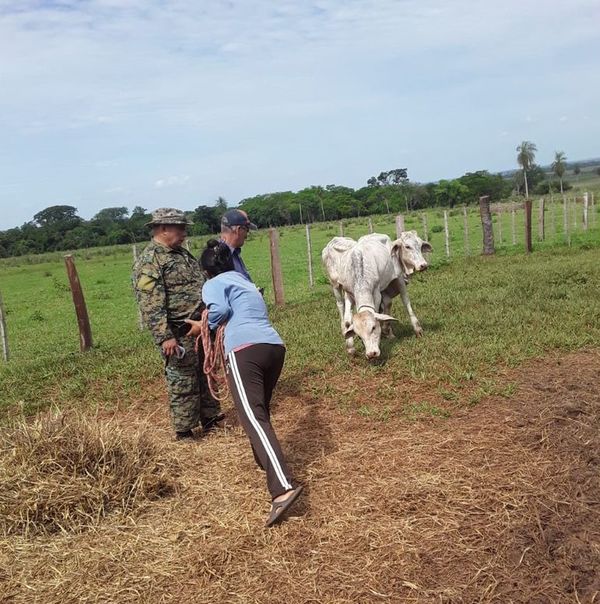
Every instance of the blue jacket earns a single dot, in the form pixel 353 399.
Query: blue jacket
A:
pixel 238 263
pixel 231 297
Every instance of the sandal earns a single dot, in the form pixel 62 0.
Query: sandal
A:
pixel 279 507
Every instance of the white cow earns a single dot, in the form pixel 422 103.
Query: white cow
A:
pixel 358 273
pixel 407 255
pixel 408 249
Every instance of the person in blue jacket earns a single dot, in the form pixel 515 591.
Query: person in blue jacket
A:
pixel 254 357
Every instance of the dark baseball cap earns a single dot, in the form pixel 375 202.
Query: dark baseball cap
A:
pixel 237 218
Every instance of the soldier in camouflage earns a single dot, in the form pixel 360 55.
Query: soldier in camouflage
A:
pixel 168 282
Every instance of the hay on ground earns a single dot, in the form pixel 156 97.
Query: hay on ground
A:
pixel 67 472
pixel 497 503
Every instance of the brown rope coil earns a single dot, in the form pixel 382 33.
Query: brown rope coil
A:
pixel 214 358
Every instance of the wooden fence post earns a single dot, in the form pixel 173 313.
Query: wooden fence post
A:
pixel 399 225
pixel 276 268
pixel 528 210
pixel 425 232
pixel 466 232
pixel 541 221
pixel 341 228
pixel 83 321
pixel 513 225
pixel 3 332
pixel 575 213
pixel 446 234
pixel 585 211
pixel 370 223
pixel 486 223
pixel 565 217
pixel 552 208
pixel 309 249
pixel 135 259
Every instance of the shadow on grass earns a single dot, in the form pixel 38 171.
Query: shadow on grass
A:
pixel 309 441
pixel 390 347
pixel 404 329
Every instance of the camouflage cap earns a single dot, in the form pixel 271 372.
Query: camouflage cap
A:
pixel 168 216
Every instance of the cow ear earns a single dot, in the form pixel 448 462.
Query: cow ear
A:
pixel 382 317
pixel 349 333
pixel 396 246
pixel 426 247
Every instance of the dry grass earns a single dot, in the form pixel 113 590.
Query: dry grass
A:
pixel 66 473
pixel 495 504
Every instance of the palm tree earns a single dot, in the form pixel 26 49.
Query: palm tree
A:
pixel 526 156
pixel 559 167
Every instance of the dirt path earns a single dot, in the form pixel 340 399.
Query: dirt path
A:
pixel 498 503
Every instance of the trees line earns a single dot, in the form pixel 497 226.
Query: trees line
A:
pixel 60 228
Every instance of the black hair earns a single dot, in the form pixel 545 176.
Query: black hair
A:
pixel 216 258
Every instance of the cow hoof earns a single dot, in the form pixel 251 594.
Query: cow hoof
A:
pixel 389 336
pixel 351 351
pixel 419 333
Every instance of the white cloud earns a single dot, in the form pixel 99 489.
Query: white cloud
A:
pixel 171 181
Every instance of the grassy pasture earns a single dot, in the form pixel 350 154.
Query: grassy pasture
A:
pixel 476 311
pixel 452 471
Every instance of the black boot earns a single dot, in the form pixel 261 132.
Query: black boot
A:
pixel 210 425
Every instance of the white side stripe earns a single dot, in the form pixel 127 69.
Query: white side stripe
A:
pixel 255 424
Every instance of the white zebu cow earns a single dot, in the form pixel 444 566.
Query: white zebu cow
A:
pixel 407 255
pixel 358 273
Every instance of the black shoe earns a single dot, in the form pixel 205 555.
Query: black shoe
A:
pixel 210 425
pixel 184 435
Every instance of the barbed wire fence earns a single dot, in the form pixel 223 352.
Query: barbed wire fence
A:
pixel 293 272
pixel 454 233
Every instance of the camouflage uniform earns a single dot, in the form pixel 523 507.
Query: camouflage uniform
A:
pixel 168 284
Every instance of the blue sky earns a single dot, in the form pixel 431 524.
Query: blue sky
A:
pixel 173 103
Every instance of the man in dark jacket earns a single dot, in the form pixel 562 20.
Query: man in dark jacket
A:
pixel 235 226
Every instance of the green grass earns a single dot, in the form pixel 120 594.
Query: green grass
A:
pixel 415 411
pixel 477 313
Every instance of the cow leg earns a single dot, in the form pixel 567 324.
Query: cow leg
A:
pixel 347 323
pixel 413 318
pixel 344 304
pixel 339 300
pixel 386 309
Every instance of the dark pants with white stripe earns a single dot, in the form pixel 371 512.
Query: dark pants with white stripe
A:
pixel 252 373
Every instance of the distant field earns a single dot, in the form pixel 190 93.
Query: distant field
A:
pixel 588 178
pixel 531 304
